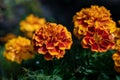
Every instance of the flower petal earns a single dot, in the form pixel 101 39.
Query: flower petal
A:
pixel 61 54
pixel 61 46
pixel 95 47
pixel 48 57
pixel 42 50
pixel 53 51
pixel 50 45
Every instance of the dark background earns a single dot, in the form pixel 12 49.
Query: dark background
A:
pixel 59 11
pixel 63 10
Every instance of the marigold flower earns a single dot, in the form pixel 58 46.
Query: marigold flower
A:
pixel 95 16
pixel 99 40
pixel 116 58
pixel 117 46
pixel 18 49
pixel 117 39
pixel 52 40
pixel 30 24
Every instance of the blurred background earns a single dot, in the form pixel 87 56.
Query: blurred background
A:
pixel 59 11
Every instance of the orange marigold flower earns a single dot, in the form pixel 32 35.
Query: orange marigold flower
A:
pixel 94 16
pixel 52 40
pixel 117 33
pixel 30 24
pixel 117 39
pixel 117 46
pixel 18 49
pixel 116 58
pixel 99 40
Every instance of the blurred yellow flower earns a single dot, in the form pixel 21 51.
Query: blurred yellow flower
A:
pixel 18 49
pixel 30 24
pixel 116 58
pixel 52 40
pixel 117 47
pixel 94 16
pixel 117 39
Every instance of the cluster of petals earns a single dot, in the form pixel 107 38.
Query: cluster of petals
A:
pixel 95 28
pixel 116 55
pixel 18 49
pixel 98 39
pixel 31 24
pixel 94 16
pixel 116 59
pixel 117 39
pixel 52 40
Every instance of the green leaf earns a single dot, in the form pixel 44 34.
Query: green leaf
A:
pixel 54 77
pixel 117 77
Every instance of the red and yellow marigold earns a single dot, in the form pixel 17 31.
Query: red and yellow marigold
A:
pixel 94 16
pixel 30 24
pixel 52 40
pixel 98 39
pixel 18 49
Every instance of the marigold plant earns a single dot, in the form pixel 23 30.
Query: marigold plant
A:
pixel 18 49
pixel 93 55
pixel 52 40
pixel 95 28
pixel 30 24
pixel 94 16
